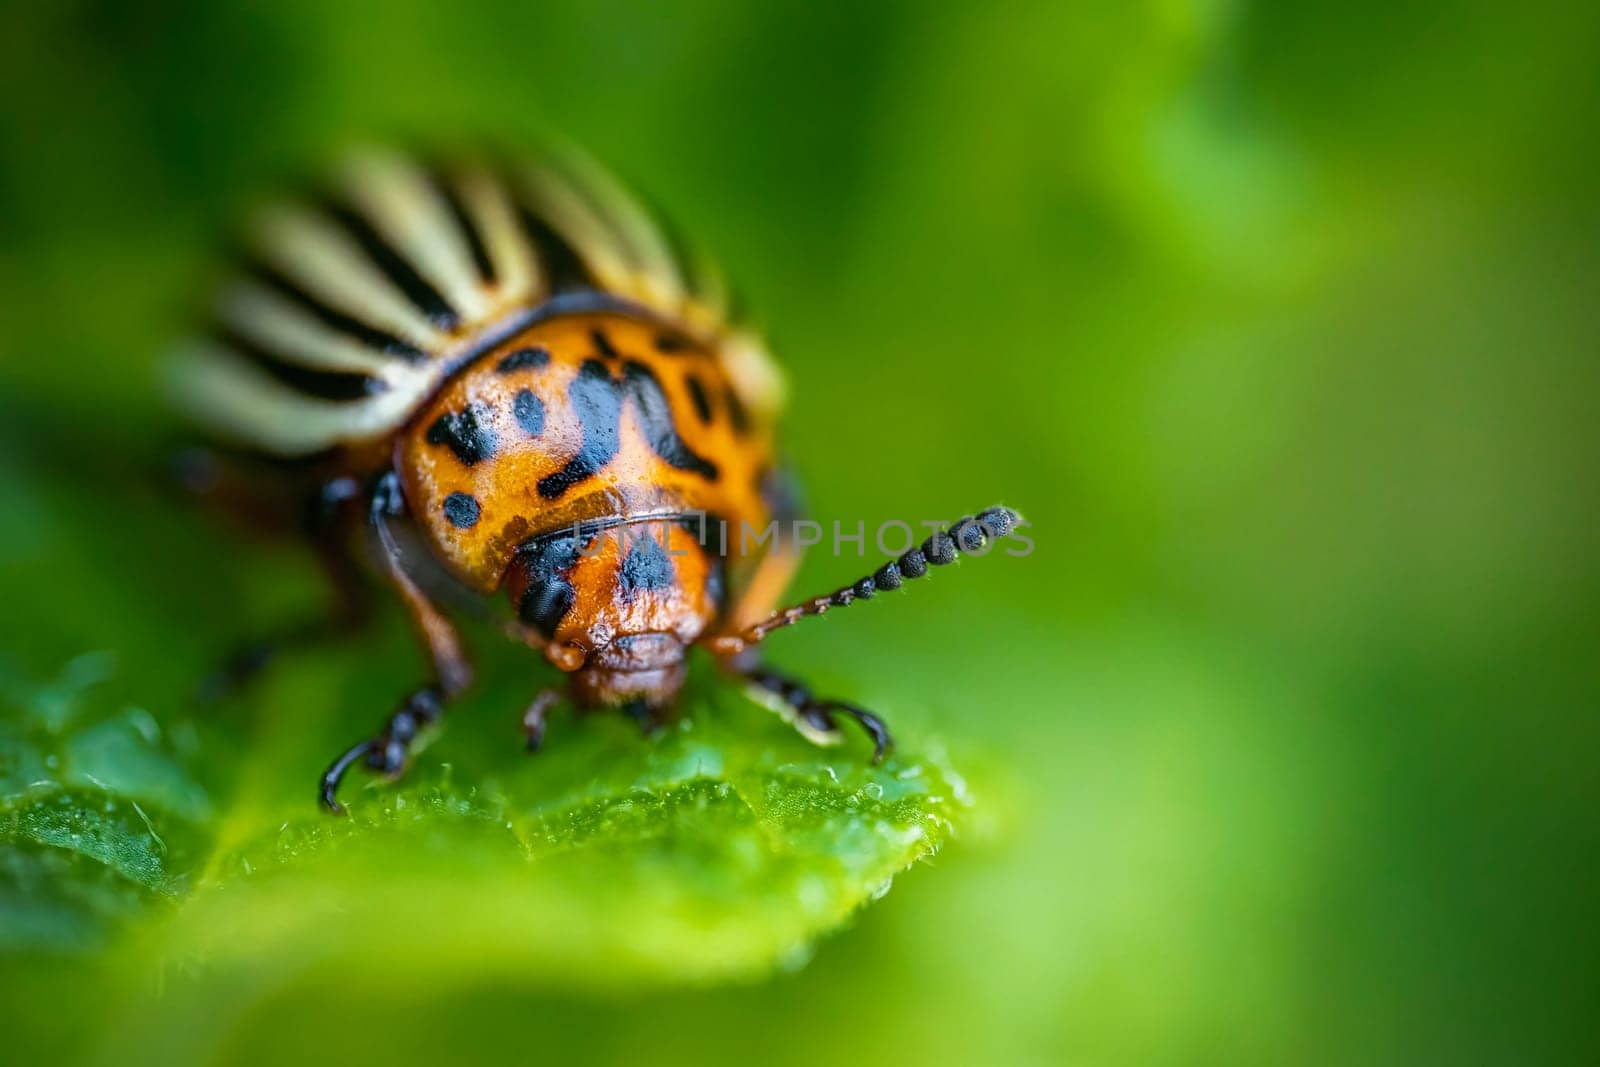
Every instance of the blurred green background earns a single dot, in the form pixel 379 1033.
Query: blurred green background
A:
pixel 1279 322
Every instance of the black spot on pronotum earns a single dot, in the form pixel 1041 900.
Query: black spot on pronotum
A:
pixel 597 400
pixel 602 344
pixel 655 414
pixel 462 510
pixel 646 566
pixel 697 394
pixel 523 359
pixel 670 343
pixel 529 412
pixel 597 403
pixel 466 433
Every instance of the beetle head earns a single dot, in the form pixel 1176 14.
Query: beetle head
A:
pixel 617 608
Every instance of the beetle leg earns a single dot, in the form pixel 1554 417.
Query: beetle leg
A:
pixel 439 637
pixel 386 753
pixel 533 718
pixel 815 719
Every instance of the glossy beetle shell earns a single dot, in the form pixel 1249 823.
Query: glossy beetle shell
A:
pixel 483 461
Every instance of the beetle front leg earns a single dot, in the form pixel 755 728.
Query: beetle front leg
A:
pixel 386 753
pixel 815 719
pixel 533 718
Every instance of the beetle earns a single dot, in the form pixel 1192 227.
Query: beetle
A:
pixel 516 382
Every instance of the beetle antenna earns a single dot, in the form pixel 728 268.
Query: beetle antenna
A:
pixel 970 534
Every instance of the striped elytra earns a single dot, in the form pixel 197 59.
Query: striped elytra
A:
pixel 352 306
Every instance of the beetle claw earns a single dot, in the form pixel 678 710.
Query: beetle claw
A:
pixel 386 753
pixel 815 718
pixel 882 743
pixel 328 788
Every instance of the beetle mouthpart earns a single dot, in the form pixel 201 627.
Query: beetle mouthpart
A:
pixel 605 687
pixel 640 652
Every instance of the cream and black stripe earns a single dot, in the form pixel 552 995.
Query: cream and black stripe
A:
pixel 352 308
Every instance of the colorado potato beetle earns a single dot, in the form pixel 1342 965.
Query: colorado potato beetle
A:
pixel 495 376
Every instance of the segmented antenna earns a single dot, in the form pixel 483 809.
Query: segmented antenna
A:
pixel 969 534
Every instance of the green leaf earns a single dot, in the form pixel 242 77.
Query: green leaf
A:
pixel 80 853
pixel 723 848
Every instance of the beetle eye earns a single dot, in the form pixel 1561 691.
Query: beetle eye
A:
pixel 549 594
pixel 543 606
